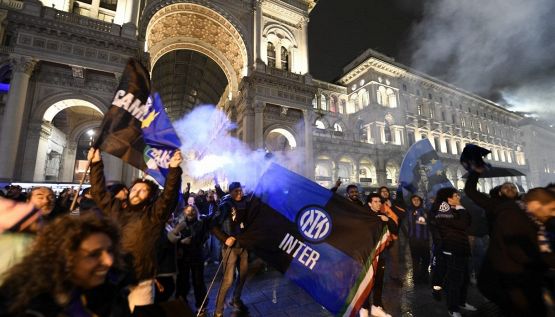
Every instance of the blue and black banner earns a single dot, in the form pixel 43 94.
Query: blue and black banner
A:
pixel 318 239
pixel 422 172
pixel 136 127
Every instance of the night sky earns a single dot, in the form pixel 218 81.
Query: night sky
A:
pixel 339 31
pixel 501 52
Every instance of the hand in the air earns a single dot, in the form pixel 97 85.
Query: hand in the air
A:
pixel 94 155
pixel 176 159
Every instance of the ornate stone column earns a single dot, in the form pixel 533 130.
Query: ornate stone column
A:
pixel 259 124
pixel 120 12
pixel 257 16
pixel 381 173
pixel 95 4
pixel 309 147
pixel 22 68
pixel 278 54
pixel 248 123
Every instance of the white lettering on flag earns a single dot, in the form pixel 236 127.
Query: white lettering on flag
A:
pixel 129 103
pixel 308 256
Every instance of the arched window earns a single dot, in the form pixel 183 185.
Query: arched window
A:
pixel 343 106
pixel 387 133
pixel 363 98
pixel 381 96
pixel 333 103
pixel 271 52
pixel 337 127
pixel 320 125
pixel 391 98
pixel 284 58
pixel 315 103
pixel 323 102
pixel 355 102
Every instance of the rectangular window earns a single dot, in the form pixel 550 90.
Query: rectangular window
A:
pixel 411 138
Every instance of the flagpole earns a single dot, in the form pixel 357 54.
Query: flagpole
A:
pixel 224 259
pixel 80 185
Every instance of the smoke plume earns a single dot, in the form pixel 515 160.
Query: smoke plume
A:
pixel 491 47
pixel 211 151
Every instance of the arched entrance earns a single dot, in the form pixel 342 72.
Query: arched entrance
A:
pixel 186 78
pixel 280 140
pixel 63 124
pixel 194 27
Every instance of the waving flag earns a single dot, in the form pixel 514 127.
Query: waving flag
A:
pixel 321 241
pixel 136 127
pixel 422 172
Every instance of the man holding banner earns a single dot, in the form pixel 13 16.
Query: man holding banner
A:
pixel 321 241
pixel 137 130
pixel 141 221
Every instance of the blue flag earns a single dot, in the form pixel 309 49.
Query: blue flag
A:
pixel 319 240
pixel 136 127
pixel 422 172
pixel 160 139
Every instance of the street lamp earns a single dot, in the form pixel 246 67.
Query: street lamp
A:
pixel 91 136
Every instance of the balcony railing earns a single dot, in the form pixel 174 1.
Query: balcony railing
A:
pixel 76 19
pixel 12 4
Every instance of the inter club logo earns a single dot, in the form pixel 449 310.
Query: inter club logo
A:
pixel 314 224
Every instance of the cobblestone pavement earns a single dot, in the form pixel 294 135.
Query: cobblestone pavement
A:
pixel 269 293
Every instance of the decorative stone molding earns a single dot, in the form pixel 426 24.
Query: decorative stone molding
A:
pixel 78 72
pixel 23 64
pixel 155 6
pixel 197 27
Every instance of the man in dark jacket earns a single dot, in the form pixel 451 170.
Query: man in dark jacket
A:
pixel 189 236
pixel 452 221
pixel 513 273
pixel 141 220
pixel 229 223
pixel 353 194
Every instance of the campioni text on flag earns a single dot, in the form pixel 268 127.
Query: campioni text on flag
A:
pixel 128 102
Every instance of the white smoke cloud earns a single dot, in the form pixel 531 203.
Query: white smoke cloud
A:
pixel 487 45
pixel 210 151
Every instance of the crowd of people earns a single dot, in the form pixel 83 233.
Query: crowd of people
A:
pixel 123 248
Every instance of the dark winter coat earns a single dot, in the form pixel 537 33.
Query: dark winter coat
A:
pixel 231 218
pixel 451 224
pixel 140 228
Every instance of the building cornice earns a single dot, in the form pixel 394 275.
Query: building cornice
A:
pixel 401 71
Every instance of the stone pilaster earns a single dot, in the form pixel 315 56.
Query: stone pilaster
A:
pixel 309 168
pixel 22 68
pixel 259 124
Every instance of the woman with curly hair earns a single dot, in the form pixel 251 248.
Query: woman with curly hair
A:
pixel 69 271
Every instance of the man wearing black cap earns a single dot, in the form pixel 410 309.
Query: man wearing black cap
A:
pixel 229 222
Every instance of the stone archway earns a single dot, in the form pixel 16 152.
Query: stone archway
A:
pixel 196 27
pixel 50 148
pixel 280 139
